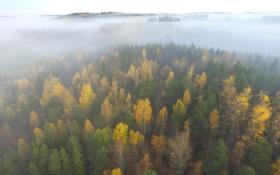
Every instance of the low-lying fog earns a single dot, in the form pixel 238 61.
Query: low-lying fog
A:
pixel 26 39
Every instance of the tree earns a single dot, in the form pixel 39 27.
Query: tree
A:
pixel 33 169
pixel 273 129
pixel 23 149
pixel 113 93
pixel 146 163
pixel 214 119
pixel 54 163
pixel 132 72
pixel 243 101
pixel 54 108
pixel 33 119
pixel 10 164
pixel 48 89
pixel 88 128
pixel 246 170
pixel 146 69
pixel 162 119
pixel 65 162
pixel 197 168
pixel 39 135
pixel 150 172
pixel 217 160
pixel 40 157
pixel 135 138
pixel 143 113
pixel 260 114
pixel 120 136
pixel 186 98
pixel 259 156
pixel 50 134
pixel 104 85
pixel 190 73
pixel 180 152
pixel 159 144
pixel 144 54
pixel 170 77
pixel 69 102
pixel 205 55
pixel 275 167
pixel 116 171
pixel 179 112
pixel 53 88
pixel 200 81
pixel 78 163
pixel 107 112
pixel 62 132
pixel 87 97
pixel 147 89
pixel 229 118
pixel 98 148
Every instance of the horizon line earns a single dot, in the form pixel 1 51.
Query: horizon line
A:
pixel 42 12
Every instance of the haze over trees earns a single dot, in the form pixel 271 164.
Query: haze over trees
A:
pixel 147 110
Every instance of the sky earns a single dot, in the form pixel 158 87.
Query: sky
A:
pixel 139 6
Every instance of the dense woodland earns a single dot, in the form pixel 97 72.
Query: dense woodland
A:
pixel 143 110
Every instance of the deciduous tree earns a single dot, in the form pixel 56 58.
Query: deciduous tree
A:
pixel 143 113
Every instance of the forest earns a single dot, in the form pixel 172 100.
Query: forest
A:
pixel 143 110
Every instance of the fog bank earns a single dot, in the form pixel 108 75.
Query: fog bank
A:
pixel 25 40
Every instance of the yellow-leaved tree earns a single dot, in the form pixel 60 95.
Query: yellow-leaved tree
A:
pixel 87 97
pixel 143 113
pixel 162 119
pixel 39 135
pixel 170 77
pixel 53 87
pixel 190 73
pixel 275 167
pixel 132 72
pixel 116 171
pixel 48 89
pixel 201 80
pixel 135 138
pixel 187 98
pixel 243 101
pixel 120 137
pixel 214 119
pixel 146 69
pixel 260 114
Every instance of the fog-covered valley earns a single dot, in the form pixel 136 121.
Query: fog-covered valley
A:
pixel 29 39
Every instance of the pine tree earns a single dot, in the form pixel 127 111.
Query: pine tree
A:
pixel 217 160
pixel 54 163
pixel 65 162
pixel 78 163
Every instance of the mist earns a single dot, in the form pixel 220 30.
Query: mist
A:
pixel 27 40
